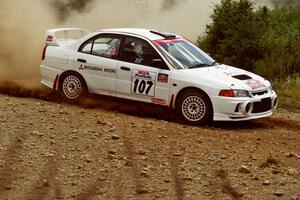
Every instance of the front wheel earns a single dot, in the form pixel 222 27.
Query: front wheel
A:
pixel 194 107
pixel 72 87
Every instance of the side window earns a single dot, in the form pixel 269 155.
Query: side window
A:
pixel 87 48
pixel 102 45
pixel 141 52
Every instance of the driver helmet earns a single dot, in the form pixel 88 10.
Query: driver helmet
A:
pixel 138 49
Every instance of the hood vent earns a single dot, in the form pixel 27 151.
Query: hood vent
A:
pixel 242 77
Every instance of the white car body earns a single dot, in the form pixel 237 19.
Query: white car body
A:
pixel 107 76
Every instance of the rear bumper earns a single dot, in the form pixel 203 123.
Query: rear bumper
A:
pixel 240 109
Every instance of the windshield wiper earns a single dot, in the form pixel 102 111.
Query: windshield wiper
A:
pixel 214 63
pixel 198 65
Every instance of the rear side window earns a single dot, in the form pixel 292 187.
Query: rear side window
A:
pixel 87 48
pixel 102 45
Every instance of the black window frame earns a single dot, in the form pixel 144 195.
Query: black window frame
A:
pixel 122 46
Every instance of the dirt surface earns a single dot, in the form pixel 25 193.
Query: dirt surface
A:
pixel 109 149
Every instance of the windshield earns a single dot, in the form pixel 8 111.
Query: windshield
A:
pixel 186 53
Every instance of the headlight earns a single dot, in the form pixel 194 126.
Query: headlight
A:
pixel 234 93
pixel 241 93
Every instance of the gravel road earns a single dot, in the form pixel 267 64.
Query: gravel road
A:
pixel 108 149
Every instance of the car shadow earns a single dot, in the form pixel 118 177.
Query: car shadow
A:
pixel 234 125
pixel 147 110
pixel 130 107
pixel 140 109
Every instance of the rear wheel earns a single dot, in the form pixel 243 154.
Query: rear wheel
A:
pixel 194 107
pixel 72 87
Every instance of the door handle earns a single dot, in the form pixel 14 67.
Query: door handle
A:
pixel 81 60
pixel 125 68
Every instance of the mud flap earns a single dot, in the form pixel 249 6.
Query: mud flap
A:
pixel 170 107
pixel 55 84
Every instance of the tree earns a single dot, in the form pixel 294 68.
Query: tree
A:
pixel 281 43
pixel 234 34
pixel 286 2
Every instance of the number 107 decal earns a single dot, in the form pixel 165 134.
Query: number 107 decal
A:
pixel 143 83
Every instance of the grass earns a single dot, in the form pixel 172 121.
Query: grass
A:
pixel 288 91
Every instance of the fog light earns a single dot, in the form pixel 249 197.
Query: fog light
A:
pixel 275 103
pixel 246 108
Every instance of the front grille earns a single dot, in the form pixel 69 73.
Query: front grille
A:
pixel 263 106
pixel 260 93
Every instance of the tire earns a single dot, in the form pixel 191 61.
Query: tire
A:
pixel 72 87
pixel 194 107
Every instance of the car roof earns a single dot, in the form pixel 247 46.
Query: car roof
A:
pixel 150 34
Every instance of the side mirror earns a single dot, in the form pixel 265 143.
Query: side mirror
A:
pixel 159 63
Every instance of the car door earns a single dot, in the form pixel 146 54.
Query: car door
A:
pixel 142 74
pixel 97 61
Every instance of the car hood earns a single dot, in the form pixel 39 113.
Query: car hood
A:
pixel 232 77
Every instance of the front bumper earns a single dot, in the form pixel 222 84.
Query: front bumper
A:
pixel 246 108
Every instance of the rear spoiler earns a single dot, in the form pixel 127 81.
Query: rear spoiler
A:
pixel 64 36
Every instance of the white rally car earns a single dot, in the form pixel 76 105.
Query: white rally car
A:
pixel 153 67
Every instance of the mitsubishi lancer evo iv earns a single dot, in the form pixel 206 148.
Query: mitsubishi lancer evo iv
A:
pixel 154 67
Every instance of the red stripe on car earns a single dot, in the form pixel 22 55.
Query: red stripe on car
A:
pixel 167 41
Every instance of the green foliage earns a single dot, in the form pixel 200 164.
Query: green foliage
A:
pixel 266 41
pixel 289 92
pixel 233 36
pixel 281 43
pixel 285 2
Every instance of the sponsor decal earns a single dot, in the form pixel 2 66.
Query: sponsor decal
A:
pixel 226 70
pixel 110 70
pixel 49 38
pixel 81 67
pixel 143 74
pixel 255 84
pixel 158 101
pixel 167 41
pixel 143 83
pixel 87 67
pixel 162 78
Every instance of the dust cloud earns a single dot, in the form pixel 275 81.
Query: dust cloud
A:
pixel 64 8
pixel 22 31
pixel 187 18
pixel 24 23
